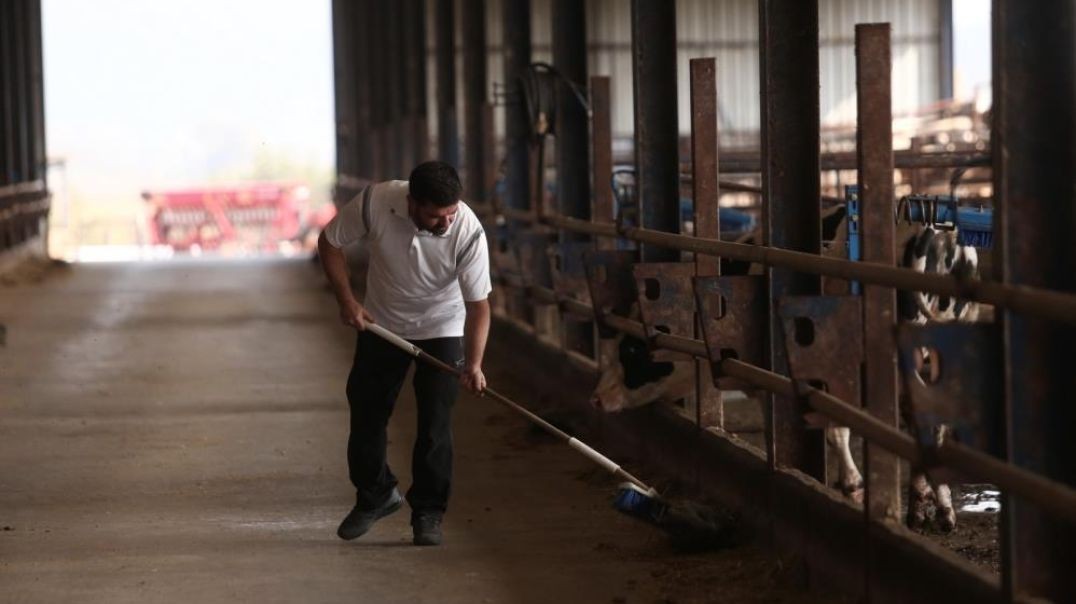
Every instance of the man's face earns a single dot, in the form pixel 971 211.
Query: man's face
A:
pixel 430 217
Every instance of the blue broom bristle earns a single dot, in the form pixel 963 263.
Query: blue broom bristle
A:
pixel 631 500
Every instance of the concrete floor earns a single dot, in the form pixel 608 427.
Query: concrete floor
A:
pixel 176 432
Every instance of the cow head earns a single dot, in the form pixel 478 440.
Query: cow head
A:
pixel 630 378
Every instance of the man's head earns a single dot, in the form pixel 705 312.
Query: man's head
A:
pixel 434 195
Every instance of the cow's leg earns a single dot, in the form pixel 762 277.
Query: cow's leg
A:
pixel 920 501
pixel 850 481
pixel 945 516
pixel 609 394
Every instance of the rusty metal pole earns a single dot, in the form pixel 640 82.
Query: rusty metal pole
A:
pixel 448 137
pixel 709 408
pixel 874 146
pixel 601 155
pixel 570 59
pixel 517 57
pixel 473 13
pixel 1034 140
pixel 791 207
pixel 657 133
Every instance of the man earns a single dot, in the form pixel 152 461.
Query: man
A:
pixel 428 282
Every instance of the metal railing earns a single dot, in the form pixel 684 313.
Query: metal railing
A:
pixel 1058 498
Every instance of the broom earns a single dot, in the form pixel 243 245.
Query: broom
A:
pixel 690 525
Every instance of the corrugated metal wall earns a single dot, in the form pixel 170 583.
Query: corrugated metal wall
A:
pixel 728 30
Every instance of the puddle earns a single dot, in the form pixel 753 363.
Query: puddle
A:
pixel 981 498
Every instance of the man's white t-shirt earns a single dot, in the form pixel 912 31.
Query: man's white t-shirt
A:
pixel 417 281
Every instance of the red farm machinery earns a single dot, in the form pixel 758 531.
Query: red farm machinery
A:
pixel 248 218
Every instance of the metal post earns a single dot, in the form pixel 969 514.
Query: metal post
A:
pixel 1034 140
pixel 601 154
pixel 377 53
pixel 570 59
pixel 709 408
pixel 37 91
pixel 791 183
pixel 517 56
pixel 412 57
pixel 571 137
pixel 420 125
pixel 342 79
pixel 7 124
pixel 399 143
pixel 21 132
pixel 653 45
pixel 448 138
pixel 874 147
pixel 362 93
pixel 474 96
pixel 24 61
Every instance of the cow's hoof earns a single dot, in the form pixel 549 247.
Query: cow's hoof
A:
pixel 945 520
pixel 918 515
pixel 854 491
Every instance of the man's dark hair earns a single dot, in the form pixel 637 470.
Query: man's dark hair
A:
pixel 435 182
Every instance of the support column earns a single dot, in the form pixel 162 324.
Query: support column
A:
pixel 448 138
pixel 601 154
pixel 362 93
pixel 653 44
pixel 420 125
pixel 570 59
pixel 1034 151
pixel 517 56
pixel 791 184
pixel 474 91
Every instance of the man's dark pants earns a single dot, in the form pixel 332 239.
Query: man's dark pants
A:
pixel 377 374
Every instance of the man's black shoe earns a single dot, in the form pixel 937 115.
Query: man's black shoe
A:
pixel 427 529
pixel 359 521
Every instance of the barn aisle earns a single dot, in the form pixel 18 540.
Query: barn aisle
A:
pixel 176 432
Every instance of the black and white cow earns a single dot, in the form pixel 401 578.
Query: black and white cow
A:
pixel 928 250
pixel 630 378
pixel 934 251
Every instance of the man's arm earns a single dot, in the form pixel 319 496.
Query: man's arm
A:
pixel 332 260
pixel 475 334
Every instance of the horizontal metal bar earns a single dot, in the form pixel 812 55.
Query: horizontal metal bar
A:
pixel 1036 301
pixel 1044 303
pixel 632 328
pixel 732 163
pixel 832 407
pixel 1049 495
pixel 606 229
pixel 1052 496
pixel 22 188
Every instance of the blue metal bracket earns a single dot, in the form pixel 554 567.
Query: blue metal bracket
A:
pixel 855 249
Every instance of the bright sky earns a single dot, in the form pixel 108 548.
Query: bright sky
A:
pixel 151 93
pixel 971 44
